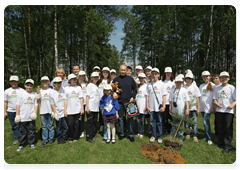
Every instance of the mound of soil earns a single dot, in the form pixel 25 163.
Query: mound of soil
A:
pixel 172 143
pixel 162 156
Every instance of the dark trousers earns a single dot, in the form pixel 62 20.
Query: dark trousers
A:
pixel 82 122
pixel 100 117
pixel 225 129
pixel 73 127
pixel 61 129
pixel 166 125
pixel 91 128
pixel 215 127
pixel 23 133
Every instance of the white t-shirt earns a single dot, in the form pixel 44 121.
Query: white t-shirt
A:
pixel 64 83
pixel 225 96
pixel 160 92
pixel 193 83
pixel 10 95
pixel 45 103
pixel 27 102
pixel 179 96
pixel 101 87
pixel 94 97
pixel 193 92
pixel 73 95
pixel 206 98
pixel 57 99
pixel 141 99
pixel 84 90
pixel 168 85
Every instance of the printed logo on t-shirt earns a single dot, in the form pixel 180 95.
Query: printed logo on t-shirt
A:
pixel 29 101
pixel 73 94
pixel 189 93
pixel 140 94
pixel 13 95
pixel 155 90
pixel 176 96
pixel 14 92
pixel 45 97
pixel 60 98
pixel 168 89
pixel 223 95
pixel 84 89
pixel 101 86
pixel 97 93
pixel 204 93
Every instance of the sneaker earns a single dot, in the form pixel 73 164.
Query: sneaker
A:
pixel 188 137
pixel 70 141
pixel 101 128
pixel 149 131
pixel 159 140
pixel 50 142
pixel 44 143
pixel 32 146
pixel 195 139
pixel 141 136
pixel 74 140
pixel 15 142
pixel 20 148
pixel 113 141
pixel 91 141
pixel 204 139
pixel 82 135
pixel 104 141
pixel 180 140
pixel 138 135
pixel 152 139
pixel 210 142
pixel 108 141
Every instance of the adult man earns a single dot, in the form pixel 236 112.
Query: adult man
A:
pixel 128 86
pixel 76 70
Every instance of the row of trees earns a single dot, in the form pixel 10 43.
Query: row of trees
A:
pixel 183 37
pixel 39 39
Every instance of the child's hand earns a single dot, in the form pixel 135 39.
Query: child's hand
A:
pixel 65 114
pixel 198 111
pixel 149 111
pixel 170 112
pixel 230 106
pixel 162 109
pixel 82 112
pixel 5 115
pixel 88 111
pixel 117 116
pixel 145 109
pixel 115 96
pixel 187 112
pixel 219 105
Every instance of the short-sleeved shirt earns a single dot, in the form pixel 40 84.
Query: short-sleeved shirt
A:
pixel 141 98
pixel 168 86
pixel 110 106
pixel 45 103
pixel 206 98
pixel 57 99
pixel 94 97
pixel 193 92
pixel 64 83
pixel 101 87
pixel 10 95
pixel 84 90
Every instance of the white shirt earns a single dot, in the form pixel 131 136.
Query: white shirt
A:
pixel 225 96
pixel 193 83
pixel 206 98
pixel 193 92
pixel 84 90
pixel 101 87
pixel 45 103
pixel 64 83
pixel 73 95
pixel 179 96
pixel 10 95
pixel 160 92
pixel 27 102
pixel 141 99
pixel 94 97
pixel 57 99
pixel 168 86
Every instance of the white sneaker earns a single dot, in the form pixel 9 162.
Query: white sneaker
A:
pixel 152 139
pixel 20 148
pixel 32 146
pixel 82 135
pixel 101 128
pixel 159 140
pixel 141 136
pixel 137 135
pixel 204 139
pixel 210 142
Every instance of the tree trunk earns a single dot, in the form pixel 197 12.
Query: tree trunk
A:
pixel 25 40
pixel 55 37
pixel 29 36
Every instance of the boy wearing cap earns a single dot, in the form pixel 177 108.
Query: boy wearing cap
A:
pixel 148 70
pixel 10 97
pixel 57 103
pixel 225 100
pixel 26 114
pixel 190 71
pixel 47 118
pixel 139 70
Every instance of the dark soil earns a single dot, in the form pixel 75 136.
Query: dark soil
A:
pixel 173 143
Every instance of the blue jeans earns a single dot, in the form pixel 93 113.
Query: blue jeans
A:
pixel 192 114
pixel 61 129
pixel 121 122
pixel 206 124
pixel 141 123
pixel 156 123
pixel 15 127
pixel 174 128
pixel 47 125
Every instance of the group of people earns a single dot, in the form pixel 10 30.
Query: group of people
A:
pixel 68 101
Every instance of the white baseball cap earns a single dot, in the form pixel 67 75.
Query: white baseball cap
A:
pixel 71 76
pixel 14 78
pixel 188 71
pixel 113 71
pixel 29 81
pixel 178 78
pixel 189 75
pixel 224 73
pixel 107 87
pixel 142 75
pixel 168 70
pixel 57 79
pixel 95 74
pixel 96 67
pixel 148 67
pixel 106 68
pixel 139 67
pixel 181 75
pixel 81 73
pixel 45 78
pixel 206 73
pixel 156 69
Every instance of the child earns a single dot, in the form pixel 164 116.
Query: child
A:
pixel 57 103
pixel 83 84
pixel 112 74
pixel 225 100
pixel 156 100
pixel 45 112
pixel 26 113
pixel 139 70
pixel 179 100
pixel 73 107
pixel 206 104
pixel 141 102
pixel 98 70
pixel 110 109
pixel 169 84
pixel 190 71
pixel 194 94
pixel 92 103
pixel 10 97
